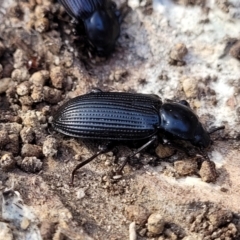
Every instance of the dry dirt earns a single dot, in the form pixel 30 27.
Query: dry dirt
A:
pixel 42 65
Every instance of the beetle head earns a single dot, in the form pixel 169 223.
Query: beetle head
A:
pixel 103 30
pixel 179 120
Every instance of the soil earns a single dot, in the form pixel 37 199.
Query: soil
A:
pixel 44 63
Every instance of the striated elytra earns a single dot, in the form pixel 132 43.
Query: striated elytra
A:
pixel 100 20
pixel 119 116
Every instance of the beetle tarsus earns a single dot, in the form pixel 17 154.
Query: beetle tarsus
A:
pixel 103 149
pixel 142 148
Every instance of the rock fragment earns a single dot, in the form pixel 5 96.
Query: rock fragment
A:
pixel 190 87
pixel 23 88
pixel 220 217
pixel 137 213
pixel 57 77
pixel 7 162
pixel 52 95
pixel 39 78
pixel 208 171
pixel 164 151
pixel 30 164
pixel 186 167
pixel 4 138
pixel 49 147
pixel 20 74
pixel 29 150
pixel 155 223
pixel 27 134
pixel 42 25
pixel 5 84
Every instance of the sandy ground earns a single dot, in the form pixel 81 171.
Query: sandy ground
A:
pixel 176 49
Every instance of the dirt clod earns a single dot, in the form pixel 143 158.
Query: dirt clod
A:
pixel 13 146
pixel 155 223
pixel 50 147
pixel 208 171
pixel 42 25
pixel 164 151
pixel 39 78
pixel 23 88
pixel 186 167
pixel 220 217
pixel 4 138
pixel 30 150
pixel 30 164
pixel 177 54
pixel 190 87
pixel 27 134
pixel 20 75
pixel 137 214
pixel 5 84
pixel 57 77
pixel 7 162
pixel 52 95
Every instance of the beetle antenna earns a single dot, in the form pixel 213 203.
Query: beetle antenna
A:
pixel 216 129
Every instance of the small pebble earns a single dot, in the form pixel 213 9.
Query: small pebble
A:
pixel 27 134
pixel 37 94
pixel 208 171
pixel 220 217
pixel 137 213
pixel 31 164
pixel 20 75
pixel 7 162
pixel 132 231
pixel 190 87
pixel 23 88
pixel 39 78
pixel 155 223
pixel 178 52
pixel 5 84
pixel 4 138
pixel 29 150
pixel 186 167
pixel 52 95
pixel 41 25
pixel 164 151
pixel 50 147
pixel 57 77
pixel 25 223
pixel 13 146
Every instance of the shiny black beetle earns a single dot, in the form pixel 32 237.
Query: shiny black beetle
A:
pixel 119 116
pixel 100 20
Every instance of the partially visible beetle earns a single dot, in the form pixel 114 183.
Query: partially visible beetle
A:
pixel 100 20
pixel 119 116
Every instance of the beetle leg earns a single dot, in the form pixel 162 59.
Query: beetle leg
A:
pixel 152 140
pixel 103 149
pixel 216 129
pixel 185 103
pixel 95 90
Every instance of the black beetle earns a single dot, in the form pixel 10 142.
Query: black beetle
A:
pixel 119 116
pixel 100 20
